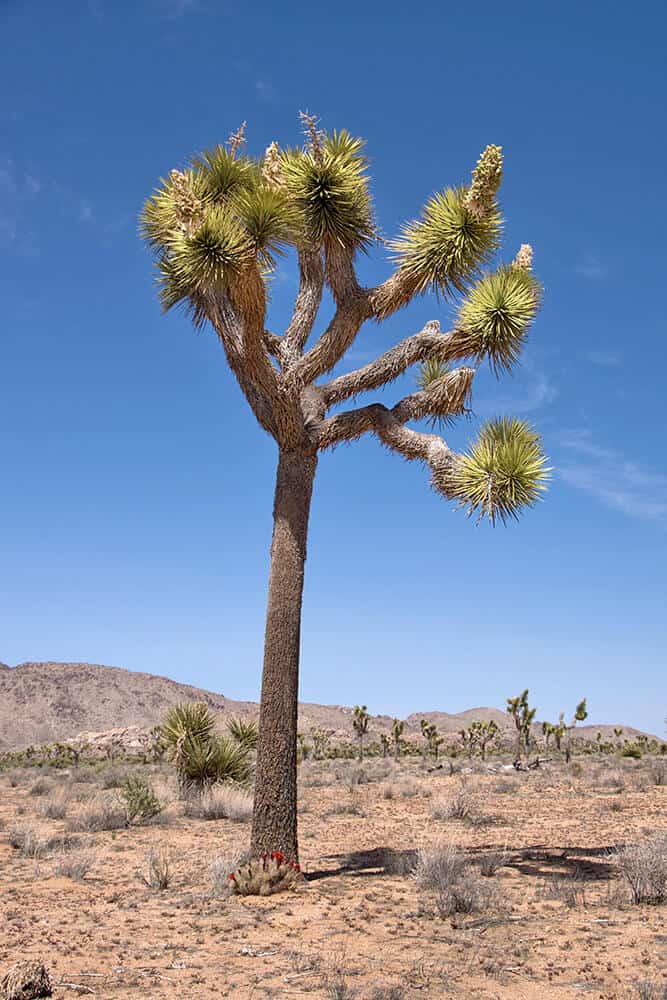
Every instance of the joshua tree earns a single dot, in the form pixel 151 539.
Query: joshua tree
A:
pixel 397 728
pixel 433 739
pixel 523 717
pixel 580 713
pixel 385 744
pixel 360 721
pixel 320 740
pixel 217 228
pixel 548 730
pixel 484 734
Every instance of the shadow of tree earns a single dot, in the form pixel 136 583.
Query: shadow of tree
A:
pixel 536 861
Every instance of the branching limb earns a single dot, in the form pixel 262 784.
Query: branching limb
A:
pixel 307 303
pixel 444 398
pixel 430 344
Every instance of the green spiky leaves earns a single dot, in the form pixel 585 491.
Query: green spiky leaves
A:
pixel 503 472
pixel 494 319
pixel 445 248
pixel 328 186
pixel 430 371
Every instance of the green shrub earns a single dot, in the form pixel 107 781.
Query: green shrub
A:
pixel 141 802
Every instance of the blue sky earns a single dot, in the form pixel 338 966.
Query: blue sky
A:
pixel 137 490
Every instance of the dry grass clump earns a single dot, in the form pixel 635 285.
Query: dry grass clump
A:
pixel 644 868
pixel 40 787
pixel 405 789
pixel 27 842
pixel 75 865
pixel 659 773
pixel 100 813
pixel 54 807
pixel 443 870
pixel 567 889
pixel 158 869
pixel 648 990
pixel 221 868
pixel 461 805
pixel 491 862
pixel 220 802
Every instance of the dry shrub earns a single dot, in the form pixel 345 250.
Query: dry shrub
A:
pixel 461 805
pixel 27 841
pixel 404 789
pixel 491 862
pixel 438 867
pixel 220 802
pixel 75 865
pixel 221 868
pixel 158 869
pixel 100 813
pixel 648 990
pixel 644 868
pixel 567 889
pixel 40 787
pixel 54 807
pixel 659 773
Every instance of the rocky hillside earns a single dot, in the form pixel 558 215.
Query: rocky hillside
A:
pixel 46 702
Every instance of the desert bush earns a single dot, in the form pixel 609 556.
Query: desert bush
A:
pixel 27 841
pixel 468 895
pixel 158 869
pixel 458 806
pixel 74 865
pixel 100 813
pixel 54 807
pixel 405 789
pixel 567 889
pixel 388 993
pixel 40 787
pixel 659 773
pixel 644 868
pixel 346 807
pixel 648 990
pixel 112 777
pixel 221 867
pixel 438 867
pixel 491 862
pixel 141 802
pixel 220 802
pixel 615 805
pixel 633 751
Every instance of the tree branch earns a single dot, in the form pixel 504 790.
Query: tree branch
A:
pixel 446 397
pixel 307 303
pixel 429 344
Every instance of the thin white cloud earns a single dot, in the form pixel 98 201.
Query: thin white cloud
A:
pixel 591 267
pixel 609 477
pixel 530 395
pixel 605 359
pixel 176 8
pixel 265 91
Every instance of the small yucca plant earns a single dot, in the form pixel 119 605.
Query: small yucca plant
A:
pixel 201 756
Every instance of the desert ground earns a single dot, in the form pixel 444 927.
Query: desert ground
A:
pixel 542 907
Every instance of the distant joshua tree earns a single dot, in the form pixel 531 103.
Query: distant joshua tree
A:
pixel 360 720
pixel 217 228
pixel 580 713
pixel 523 716
pixel 397 728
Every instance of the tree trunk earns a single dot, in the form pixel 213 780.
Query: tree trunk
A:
pixel 274 813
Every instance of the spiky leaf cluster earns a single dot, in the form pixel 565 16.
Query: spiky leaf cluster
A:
pixel 446 247
pixel 503 472
pixel 201 756
pixel 328 187
pixel 430 371
pixel 495 316
pixel 243 732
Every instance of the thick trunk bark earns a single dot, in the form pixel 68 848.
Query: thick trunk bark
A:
pixel 274 814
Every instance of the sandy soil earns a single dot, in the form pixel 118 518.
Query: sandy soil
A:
pixel 559 921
